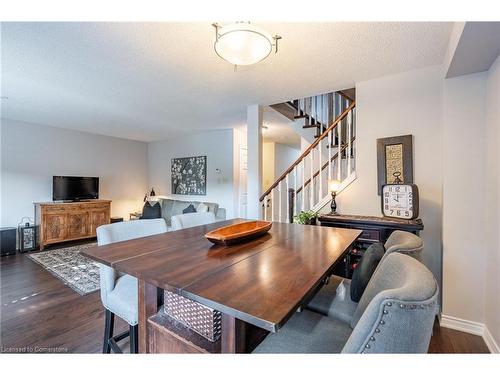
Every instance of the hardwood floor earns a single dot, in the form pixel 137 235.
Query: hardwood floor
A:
pixel 39 312
pixel 42 314
pixel 446 340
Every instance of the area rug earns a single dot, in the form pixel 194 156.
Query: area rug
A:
pixel 67 264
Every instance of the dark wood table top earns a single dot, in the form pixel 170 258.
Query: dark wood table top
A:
pixel 261 282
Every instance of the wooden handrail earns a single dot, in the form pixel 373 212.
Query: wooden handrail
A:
pixel 345 96
pixel 335 156
pixel 308 150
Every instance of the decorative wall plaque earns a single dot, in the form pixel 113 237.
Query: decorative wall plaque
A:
pixel 394 158
pixel 393 162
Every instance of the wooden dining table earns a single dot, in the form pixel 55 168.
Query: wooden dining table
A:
pixel 258 284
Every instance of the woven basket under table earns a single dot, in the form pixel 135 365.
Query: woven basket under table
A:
pixel 200 318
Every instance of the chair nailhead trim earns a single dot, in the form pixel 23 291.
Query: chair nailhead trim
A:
pixel 385 312
pixel 417 306
pixel 377 330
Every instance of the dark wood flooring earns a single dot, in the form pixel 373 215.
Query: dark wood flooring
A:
pixel 41 314
pixel 446 341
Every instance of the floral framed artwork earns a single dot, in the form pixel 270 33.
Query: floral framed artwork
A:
pixel 189 175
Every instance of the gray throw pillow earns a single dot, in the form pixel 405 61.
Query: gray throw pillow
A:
pixel 189 209
pixel 151 210
pixel 366 267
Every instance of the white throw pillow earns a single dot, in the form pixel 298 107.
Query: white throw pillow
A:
pixel 202 207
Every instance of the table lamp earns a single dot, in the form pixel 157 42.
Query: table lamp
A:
pixel 333 187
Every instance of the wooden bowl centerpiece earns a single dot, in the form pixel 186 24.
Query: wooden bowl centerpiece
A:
pixel 240 232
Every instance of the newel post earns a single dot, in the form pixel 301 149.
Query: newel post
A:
pixel 291 196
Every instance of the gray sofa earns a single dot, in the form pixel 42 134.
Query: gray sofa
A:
pixel 172 207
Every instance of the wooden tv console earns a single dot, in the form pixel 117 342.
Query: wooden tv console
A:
pixel 59 222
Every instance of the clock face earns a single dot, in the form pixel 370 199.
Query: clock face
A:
pixel 400 201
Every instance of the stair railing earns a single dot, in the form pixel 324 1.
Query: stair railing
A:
pixel 320 110
pixel 301 186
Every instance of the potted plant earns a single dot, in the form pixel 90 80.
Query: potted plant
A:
pixel 306 217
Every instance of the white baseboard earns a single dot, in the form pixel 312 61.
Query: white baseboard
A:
pixel 490 341
pixel 462 325
pixel 474 328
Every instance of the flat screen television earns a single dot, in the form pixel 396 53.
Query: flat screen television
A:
pixel 71 188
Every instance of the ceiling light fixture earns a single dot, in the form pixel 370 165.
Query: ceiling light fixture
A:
pixel 242 43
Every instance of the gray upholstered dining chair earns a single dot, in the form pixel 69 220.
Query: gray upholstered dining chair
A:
pixel 192 220
pixel 395 315
pixel 334 299
pixel 119 293
pixel 404 242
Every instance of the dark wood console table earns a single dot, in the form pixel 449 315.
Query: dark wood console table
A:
pixel 374 229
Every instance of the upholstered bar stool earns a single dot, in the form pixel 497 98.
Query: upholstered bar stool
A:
pixel 119 293
pixel 395 315
pixel 334 299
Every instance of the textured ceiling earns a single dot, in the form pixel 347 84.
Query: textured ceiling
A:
pixel 149 81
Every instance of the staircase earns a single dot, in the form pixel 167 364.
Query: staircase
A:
pixel 304 185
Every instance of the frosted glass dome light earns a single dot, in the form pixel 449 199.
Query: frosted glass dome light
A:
pixel 242 43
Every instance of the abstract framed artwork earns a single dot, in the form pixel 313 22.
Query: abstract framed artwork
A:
pixel 394 160
pixel 189 175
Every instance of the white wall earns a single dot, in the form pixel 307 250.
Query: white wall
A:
pixel 471 194
pixel 32 154
pixel 284 156
pixel 276 159
pixel 407 103
pixel 217 146
pixel 268 165
pixel 463 197
pixel 492 211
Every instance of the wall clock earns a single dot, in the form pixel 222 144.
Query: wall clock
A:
pixel 400 201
